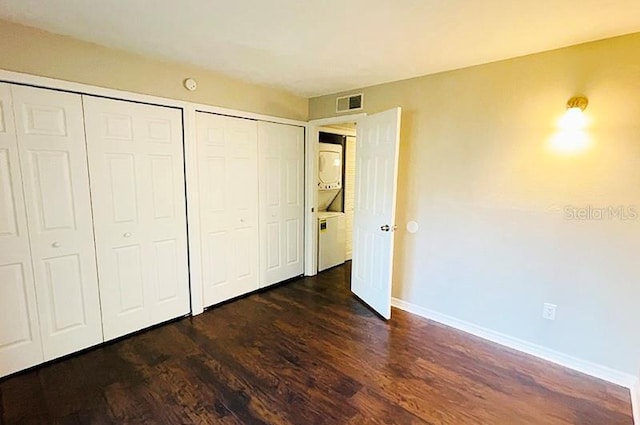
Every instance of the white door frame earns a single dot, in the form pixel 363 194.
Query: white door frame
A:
pixel 311 188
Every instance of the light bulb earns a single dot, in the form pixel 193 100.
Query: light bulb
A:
pixel 572 120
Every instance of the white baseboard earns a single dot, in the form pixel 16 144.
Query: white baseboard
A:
pixel 619 378
pixel 635 402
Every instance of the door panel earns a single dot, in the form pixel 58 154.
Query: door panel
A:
pixel 162 177
pixel 281 151
pixel 8 220
pixel 216 261
pixel 15 307
pixel 293 253
pixel 20 344
pixel 378 140
pixel 293 171
pixel 228 184
pixel 52 188
pixel 137 177
pixel 273 247
pixel 122 186
pixel 43 120
pixel 245 241
pixel 52 149
pixel 272 175
pixel 166 271
pixel 213 172
pixel 130 283
pixel 64 293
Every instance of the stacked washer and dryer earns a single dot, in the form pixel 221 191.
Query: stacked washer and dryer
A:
pixel 331 224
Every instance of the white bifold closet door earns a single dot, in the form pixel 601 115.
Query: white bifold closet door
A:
pixel 51 145
pixel 281 153
pixel 137 178
pixel 227 150
pixel 20 345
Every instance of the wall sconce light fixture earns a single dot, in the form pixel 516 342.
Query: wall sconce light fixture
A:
pixel 574 119
pixel 579 102
pixel 572 137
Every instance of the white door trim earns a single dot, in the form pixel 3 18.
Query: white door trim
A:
pixel 311 192
pixel 79 88
pixel 340 131
pixel 635 401
pixel 199 107
pixel 189 110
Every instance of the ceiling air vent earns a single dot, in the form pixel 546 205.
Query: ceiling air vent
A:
pixel 352 102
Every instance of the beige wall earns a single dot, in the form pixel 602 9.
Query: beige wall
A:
pixel 476 174
pixel 32 51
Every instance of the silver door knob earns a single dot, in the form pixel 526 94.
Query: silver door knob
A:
pixel 127 235
pixel 387 228
pixel 56 245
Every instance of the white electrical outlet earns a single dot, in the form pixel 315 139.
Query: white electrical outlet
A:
pixel 549 311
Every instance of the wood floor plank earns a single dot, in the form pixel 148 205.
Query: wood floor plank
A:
pixel 304 353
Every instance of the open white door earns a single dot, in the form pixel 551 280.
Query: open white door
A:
pixel 378 140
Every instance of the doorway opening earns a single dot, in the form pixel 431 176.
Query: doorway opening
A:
pixel 376 177
pixel 320 204
pixel 335 193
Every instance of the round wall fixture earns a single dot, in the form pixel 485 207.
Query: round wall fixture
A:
pixel 412 227
pixel 190 84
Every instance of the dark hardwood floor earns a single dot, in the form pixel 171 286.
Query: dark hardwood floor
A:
pixel 307 353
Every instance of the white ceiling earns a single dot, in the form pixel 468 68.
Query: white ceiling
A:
pixel 313 47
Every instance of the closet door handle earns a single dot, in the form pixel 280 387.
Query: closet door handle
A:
pixel 56 245
pixel 127 235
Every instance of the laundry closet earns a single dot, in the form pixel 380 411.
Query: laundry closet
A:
pixel 99 207
pixel 336 192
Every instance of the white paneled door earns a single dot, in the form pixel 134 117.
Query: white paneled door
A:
pixel 378 141
pixel 137 178
pixel 281 153
pixel 20 345
pixel 228 186
pixel 51 144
